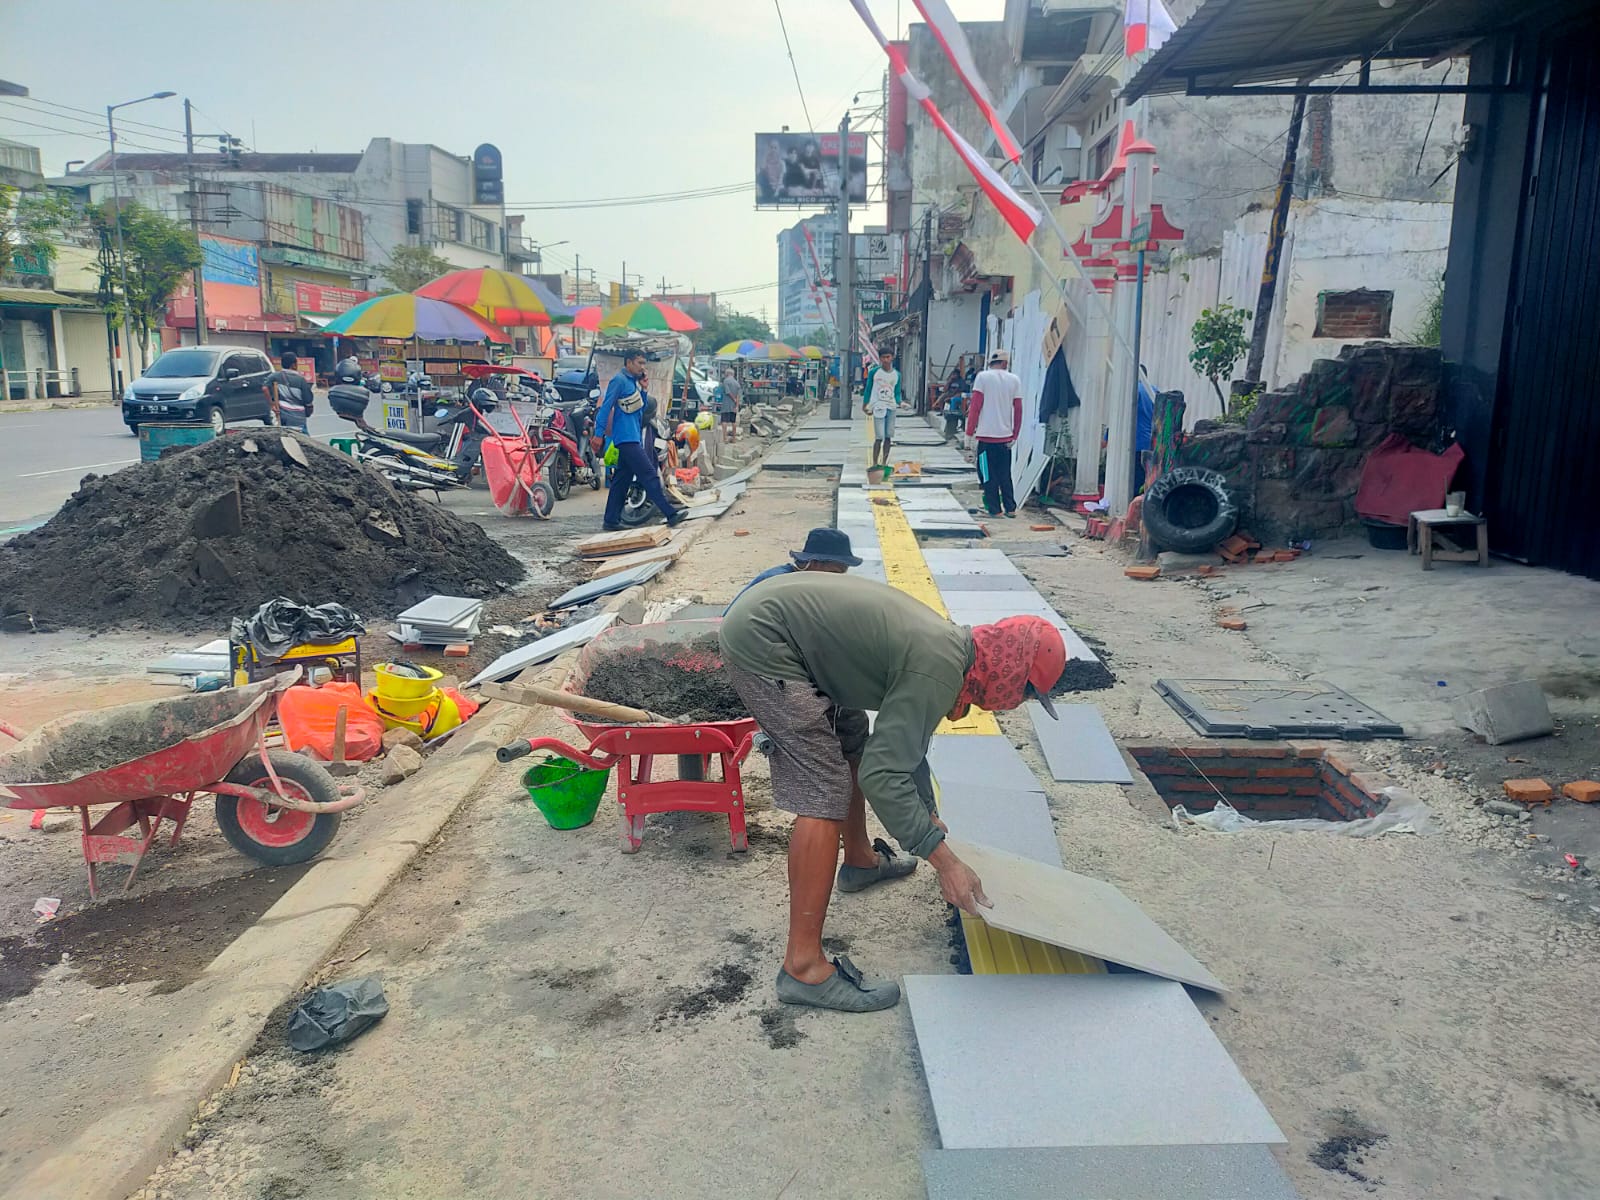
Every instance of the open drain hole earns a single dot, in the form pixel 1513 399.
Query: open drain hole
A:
pixel 1265 783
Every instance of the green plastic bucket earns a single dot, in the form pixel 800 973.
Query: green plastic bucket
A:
pixel 567 794
pixel 156 436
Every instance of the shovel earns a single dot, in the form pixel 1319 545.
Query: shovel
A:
pixel 533 693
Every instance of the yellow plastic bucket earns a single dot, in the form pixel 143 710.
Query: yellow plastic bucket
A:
pixel 405 695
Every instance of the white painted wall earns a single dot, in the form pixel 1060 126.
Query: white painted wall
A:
pixel 953 320
pixel 1332 244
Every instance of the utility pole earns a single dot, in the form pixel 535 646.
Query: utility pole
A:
pixel 927 296
pixel 844 273
pixel 1269 268
pixel 577 279
pixel 194 224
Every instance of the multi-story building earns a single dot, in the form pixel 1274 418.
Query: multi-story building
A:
pixel 805 291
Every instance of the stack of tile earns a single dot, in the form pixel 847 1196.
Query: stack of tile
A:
pixel 439 621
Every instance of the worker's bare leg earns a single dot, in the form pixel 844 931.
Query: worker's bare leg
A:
pixel 813 858
pixel 858 851
pixel 886 445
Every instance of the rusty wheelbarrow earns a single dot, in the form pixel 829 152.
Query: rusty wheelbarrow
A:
pixel 152 760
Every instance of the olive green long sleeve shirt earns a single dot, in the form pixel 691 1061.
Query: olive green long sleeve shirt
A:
pixel 863 645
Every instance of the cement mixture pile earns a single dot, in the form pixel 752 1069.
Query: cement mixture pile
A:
pixel 214 531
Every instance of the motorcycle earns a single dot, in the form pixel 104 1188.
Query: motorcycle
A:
pixel 637 507
pixel 419 462
pixel 568 425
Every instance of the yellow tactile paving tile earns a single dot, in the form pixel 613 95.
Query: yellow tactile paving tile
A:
pixel 991 951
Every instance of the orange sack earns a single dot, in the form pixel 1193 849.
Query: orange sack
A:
pixel 307 716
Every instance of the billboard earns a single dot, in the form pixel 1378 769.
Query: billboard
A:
pixel 795 169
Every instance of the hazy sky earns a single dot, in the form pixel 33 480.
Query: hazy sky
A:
pixel 585 98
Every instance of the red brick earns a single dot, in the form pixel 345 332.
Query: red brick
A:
pixel 1191 785
pixel 1262 752
pixel 1041 528
pixel 1584 791
pixel 1306 789
pixel 1530 791
pixel 1165 769
pixel 1237 624
pixel 1339 804
pixel 1261 789
pixel 1142 572
pixel 1308 751
pixel 1226 772
pixel 741 533
pixel 1286 773
pixel 1339 763
pixel 458 650
pixel 1197 752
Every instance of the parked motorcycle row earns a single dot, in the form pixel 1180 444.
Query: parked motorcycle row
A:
pixel 527 422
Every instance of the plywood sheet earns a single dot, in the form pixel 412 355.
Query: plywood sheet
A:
pixel 626 562
pixel 1021 1061
pixel 1079 912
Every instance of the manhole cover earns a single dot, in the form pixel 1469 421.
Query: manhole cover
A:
pixel 1274 708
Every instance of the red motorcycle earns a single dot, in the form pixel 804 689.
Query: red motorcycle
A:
pixel 568 426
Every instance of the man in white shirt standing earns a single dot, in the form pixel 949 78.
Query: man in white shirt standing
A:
pixel 882 398
pixel 994 417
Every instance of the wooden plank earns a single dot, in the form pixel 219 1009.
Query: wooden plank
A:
pixel 624 562
pixel 623 541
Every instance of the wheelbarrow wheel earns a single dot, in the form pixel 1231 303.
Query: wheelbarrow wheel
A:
pixel 279 837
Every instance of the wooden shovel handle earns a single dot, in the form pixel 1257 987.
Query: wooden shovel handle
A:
pixel 533 693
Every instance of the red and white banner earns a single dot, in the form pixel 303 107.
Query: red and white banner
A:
pixel 1023 218
pixel 1146 25
pixel 950 35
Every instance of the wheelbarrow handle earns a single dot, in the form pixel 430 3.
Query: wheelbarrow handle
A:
pixel 512 751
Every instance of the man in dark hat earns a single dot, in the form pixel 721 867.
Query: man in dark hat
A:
pixel 827 550
pixel 809 658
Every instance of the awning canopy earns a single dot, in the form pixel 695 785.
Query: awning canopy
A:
pixel 1229 43
pixel 41 297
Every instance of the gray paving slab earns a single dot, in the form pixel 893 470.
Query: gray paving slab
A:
pixel 1077 912
pixel 619 582
pixel 1237 1172
pixel 976 561
pixel 543 650
pixel 1077 745
pixel 707 511
pixel 1017 1061
pixel 980 760
pixel 439 611
pixel 950 584
pixel 1007 819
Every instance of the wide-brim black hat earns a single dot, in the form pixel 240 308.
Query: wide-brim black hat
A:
pixel 826 545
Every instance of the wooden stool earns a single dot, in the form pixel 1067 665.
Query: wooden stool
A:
pixel 1422 536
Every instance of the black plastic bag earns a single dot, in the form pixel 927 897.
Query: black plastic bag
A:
pixel 337 1013
pixel 282 624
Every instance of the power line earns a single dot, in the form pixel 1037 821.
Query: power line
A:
pixel 98 116
pixel 793 66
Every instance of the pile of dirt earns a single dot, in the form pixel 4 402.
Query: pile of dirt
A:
pixel 215 531
pixel 642 678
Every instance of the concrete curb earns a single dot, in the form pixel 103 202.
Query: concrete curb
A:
pixel 228 1006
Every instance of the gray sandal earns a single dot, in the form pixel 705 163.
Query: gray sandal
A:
pixel 890 866
pixel 846 990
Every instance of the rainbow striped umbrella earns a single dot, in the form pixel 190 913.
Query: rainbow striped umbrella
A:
pixel 748 348
pixel 406 315
pixel 649 316
pixel 587 317
pixel 775 352
pixel 501 296
pixel 812 352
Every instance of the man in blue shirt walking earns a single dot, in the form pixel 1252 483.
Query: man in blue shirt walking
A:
pixel 620 423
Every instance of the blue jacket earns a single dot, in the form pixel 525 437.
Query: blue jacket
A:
pixel 1144 428
pixel 769 573
pixel 626 427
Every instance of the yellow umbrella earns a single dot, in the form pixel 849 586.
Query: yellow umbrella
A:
pixel 810 351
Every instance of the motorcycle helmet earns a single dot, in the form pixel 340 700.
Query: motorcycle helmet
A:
pixel 687 435
pixel 348 370
pixel 387 387
pixel 704 421
pixel 484 398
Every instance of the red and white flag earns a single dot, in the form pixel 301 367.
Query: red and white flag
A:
pixel 950 35
pixel 1146 25
pixel 1023 218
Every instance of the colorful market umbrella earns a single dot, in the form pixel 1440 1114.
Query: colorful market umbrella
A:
pixel 501 296
pixel 587 317
pixel 748 348
pixel 775 352
pixel 813 352
pixel 649 316
pixel 405 315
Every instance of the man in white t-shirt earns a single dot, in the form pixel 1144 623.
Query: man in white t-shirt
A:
pixel 994 417
pixel 882 398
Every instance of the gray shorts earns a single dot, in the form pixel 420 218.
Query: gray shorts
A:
pixel 814 742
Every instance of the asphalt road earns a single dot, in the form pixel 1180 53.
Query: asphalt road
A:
pixel 43 455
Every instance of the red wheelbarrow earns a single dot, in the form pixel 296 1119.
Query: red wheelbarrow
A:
pixel 279 808
pixel 635 747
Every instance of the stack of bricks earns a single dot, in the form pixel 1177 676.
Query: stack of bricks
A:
pixel 1263 782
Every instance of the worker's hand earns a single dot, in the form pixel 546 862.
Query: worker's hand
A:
pixel 598 445
pixel 938 824
pixel 958 883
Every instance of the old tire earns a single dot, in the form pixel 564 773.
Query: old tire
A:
pixel 279 837
pixel 1189 510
